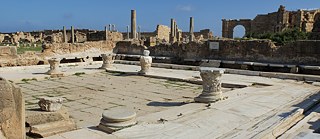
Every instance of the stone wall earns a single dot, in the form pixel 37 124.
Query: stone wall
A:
pixel 163 33
pixel 12 111
pixel 78 48
pixel 129 47
pixel 8 51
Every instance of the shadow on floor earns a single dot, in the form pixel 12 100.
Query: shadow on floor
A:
pixel 165 104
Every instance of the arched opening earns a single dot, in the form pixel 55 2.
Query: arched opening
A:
pixel 316 25
pixel 239 31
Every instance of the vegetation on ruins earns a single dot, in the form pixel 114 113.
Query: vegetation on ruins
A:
pixel 284 37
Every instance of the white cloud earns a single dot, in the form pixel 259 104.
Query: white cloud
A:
pixel 186 8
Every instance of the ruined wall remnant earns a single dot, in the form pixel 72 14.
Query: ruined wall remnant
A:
pixel 68 48
pixel 129 47
pixel 305 20
pixel 8 51
pixel 163 33
pixel 12 111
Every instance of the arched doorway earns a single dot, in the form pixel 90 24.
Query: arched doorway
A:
pixel 316 24
pixel 239 31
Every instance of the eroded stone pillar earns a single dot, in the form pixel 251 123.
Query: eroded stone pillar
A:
pixel 128 33
pixel 12 111
pixel 173 31
pixel 191 31
pixel 133 24
pixel 72 34
pixel 110 27
pixel 108 60
pixel 145 62
pixel 65 38
pixel 211 82
pixel 50 104
pixel 139 32
pixel 54 66
pixel 106 32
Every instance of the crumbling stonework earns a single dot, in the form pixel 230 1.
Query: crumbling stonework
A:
pixel 12 111
pixel 305 20
pixel 67 48
pixel 129 47
pixel 163 33
pixel 8 51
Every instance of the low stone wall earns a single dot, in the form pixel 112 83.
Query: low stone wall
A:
pixel 129 47
pixel 8 51
pixel 69 48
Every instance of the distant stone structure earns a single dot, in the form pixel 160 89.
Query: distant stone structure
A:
pixel 305 20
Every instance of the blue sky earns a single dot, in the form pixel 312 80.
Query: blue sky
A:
pixel 28 15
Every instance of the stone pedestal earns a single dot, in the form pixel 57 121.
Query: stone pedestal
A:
pixel 211 83
pixel 145 62
pixel 50 104
pixel 108 60
pixel 116 119
pixel 54 67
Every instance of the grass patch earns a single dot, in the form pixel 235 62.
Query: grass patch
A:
pixel 27 80
pixel 79 73
pixel 21 50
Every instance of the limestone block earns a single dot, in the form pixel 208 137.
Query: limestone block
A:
pixel 12 111
pixel 50 104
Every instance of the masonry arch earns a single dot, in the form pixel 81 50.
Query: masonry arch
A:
pixel 239 31
pixel 228 27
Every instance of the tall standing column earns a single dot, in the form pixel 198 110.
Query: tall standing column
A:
pixel 65 39
pixel 72 34
pixel 139 32
pixel 128 34
pixel 191 37
pixel 133 24
pixel 110 27
pixel 114 27
pixel 106 32
pixel 173 26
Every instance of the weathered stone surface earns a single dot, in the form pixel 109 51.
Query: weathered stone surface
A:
pixel 145 62
pixel 108 60
pixel 49 123
pixel 211 83
pixel 118 118
pixel 54 66
pixel 50 104
pixel 8 51
pixel 12 111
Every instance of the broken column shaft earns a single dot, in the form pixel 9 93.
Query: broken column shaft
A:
pixel 106 32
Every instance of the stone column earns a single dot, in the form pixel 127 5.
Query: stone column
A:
pixel 54 66
pixel 145 62
pixel 133 24
pixel 114 28
pixel 128 33
pixel 72 34
pixel 211 83
pixel 65 35
pixel 139 32
pixel 191 37
pixel 110 27
pixel 172 35
pixel 108 60
pixel 106 32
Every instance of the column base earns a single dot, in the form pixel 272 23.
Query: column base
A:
pixel 211 98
